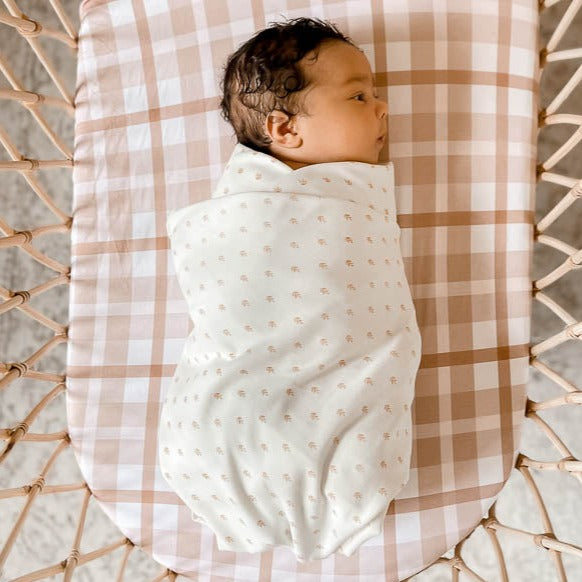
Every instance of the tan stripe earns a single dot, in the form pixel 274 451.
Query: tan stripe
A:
pixel 469 357
pixel 467 218
pixel 441 447
pixel 423 502
pixel 486 285
pixel 265 567
pixel 128 371
pixel 456 77
pixel 500 174
pixel 86 327
pixel 379 39
pixel 181 110
pixel 426 219
pixel 429 423
pixel 446 498
pixel 460 447
pixel 398 506
pixel 159 190
pixel 139 496
pixel 390 548
pixel 428 361
pixel 382 78
pixel 117 161
pixel 424 24
pixel 258 10
pixel 122 246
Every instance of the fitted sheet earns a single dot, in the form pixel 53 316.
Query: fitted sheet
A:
pixel 460 80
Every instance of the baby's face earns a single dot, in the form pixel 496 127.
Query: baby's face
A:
pixel 344 120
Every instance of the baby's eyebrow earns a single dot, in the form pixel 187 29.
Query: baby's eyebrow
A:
pixel 356 78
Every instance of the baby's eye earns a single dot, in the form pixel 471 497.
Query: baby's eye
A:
pixel 359 96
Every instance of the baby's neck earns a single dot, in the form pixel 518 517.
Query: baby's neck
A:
pixel 292 163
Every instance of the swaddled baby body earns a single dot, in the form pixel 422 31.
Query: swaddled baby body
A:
pixel 287 421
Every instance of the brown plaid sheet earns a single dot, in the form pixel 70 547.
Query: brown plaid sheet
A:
pixel 460 77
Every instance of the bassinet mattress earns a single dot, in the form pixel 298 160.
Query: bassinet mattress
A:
pixel 460 80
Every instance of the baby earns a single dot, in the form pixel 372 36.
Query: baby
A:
pixel 305 94
pixel 287 422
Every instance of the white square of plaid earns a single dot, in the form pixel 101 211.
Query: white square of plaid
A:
pixel 400 53
pixel 518 195
pixel 521 61
pixel 173 131
pixel 482 238
pixel 170 92
pixel 119 13
pixel 139 351
pixel 483 99
pixel 519 330
pixel 138 137
pixel 485 375
pixel 490 469
pixel 128 515
pixel 157 8
pixel 134 99
pixel 520 103
pixel 135 390
pixel 484 334
pixel 518 236
pixel 482 195
pixel 484 56
pixel 407 527
pixel 143 224
pixel 144 263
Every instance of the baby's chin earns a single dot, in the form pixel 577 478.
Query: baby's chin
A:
pixel 375 159
pixel 363 159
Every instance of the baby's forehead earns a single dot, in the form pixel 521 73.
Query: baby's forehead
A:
pixel 334 67
pixel 344 78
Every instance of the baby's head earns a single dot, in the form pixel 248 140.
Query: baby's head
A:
pixel 304 93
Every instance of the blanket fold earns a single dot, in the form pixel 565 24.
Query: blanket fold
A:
pixel 287 421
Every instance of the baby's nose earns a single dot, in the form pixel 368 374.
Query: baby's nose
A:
pixel 381 108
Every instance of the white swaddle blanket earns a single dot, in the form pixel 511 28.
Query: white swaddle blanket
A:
pixel 288 418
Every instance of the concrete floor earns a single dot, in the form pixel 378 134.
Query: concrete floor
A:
pixel 54 517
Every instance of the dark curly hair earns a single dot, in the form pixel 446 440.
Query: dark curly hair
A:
pixel 264 74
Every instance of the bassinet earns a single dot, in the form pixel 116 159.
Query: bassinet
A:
pixel 537 535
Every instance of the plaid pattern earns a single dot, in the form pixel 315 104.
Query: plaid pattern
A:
pixel 460 77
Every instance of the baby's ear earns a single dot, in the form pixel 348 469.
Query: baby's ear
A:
pixel 280 127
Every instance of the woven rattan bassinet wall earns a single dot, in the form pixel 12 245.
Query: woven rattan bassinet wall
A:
pixel 35 483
